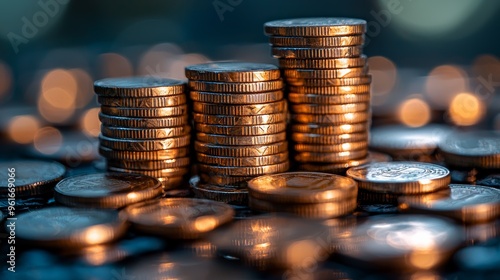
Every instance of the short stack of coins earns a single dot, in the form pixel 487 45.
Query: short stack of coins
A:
pixel 328 90
pixel 144 127
pixel 239 114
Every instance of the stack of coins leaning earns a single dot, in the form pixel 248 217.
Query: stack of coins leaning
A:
pixel 145 127
pixel 240 121
pixel 329 88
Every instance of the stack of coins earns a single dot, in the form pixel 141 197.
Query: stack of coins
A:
pixel 145 127
pixel 240 122
pixel 329 88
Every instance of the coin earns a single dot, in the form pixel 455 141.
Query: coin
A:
pixel 225 180
pixel 311 138
pixel 479 149
pixel 332 157
pixel 157 173
pixel 233 72
pixel 172 183
pixel 143 102
pixel 144 155
pixel 29 178
pixel 242 130
pixel 330 129
pixel 239 120
pixel 400 177
pixel 144 145
pixel 334 119
pixel 143 122
pixel 334 148
pixel 242 161
pixel 320 109
pixel 188 218
pixel 317 53
pixel 357 81
pixel 149 164
pixel 245 171
pixel 240 110
pixel 236 98
pixel 325 73
pixel 466 203
pixel 339 99
pixel 180 110
pixel 331 90
pixel 144 133
pixel 302 187
pixel 240 140
pixel 138 87
pixel 69 227
pixel 241 151
pixel 315 27
pixel 322 63
pixel 236 87
pixel 106 190
pixel 237 196
pixel 317 42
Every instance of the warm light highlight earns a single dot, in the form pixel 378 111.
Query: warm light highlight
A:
pixel 466 109
pixel 90 123
pixel 22 129
pixel 414 112
pixel 443 83
pixel 48 140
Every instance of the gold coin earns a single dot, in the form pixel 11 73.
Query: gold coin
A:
pixel 334 148
pixel 236 98
pixel 143 133
pixel 241 151
pixel 242 130
pixel 315 53
pixel 242 161
pixel 322 63
pixel 324 210
pixel 325 73
pixel 239 120
pixel 337 168
pixel 106 190
pixel 301 98
pixel 315 27
pixel 144 145
pixel 192 217
pixel 143 102
pixel 148 86
pixel 233 72
pixel 302 187
pixel 165 172
pixel 225 181
pixel 237 196
pixel 311 138
pixel 326 129
pixel 357 81
pixel 335 157
pixel 144 155
pixel 236 87
pixel 317 42
pixel 180 110
pixel 331 90
pixel 245 171
pixel 149 164
pixel 400 177
pixel 319 109
pixel 115 121
pixel 240 140
pixel 240 110
pixel 334 119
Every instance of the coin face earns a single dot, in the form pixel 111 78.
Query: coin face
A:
pixel 481 143
pixel 30 177
pixel 400 172
pixel 138 86
pixel 179 218
pixel 302 187
pixel 233 72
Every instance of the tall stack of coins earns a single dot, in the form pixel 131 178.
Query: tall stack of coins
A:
pixel 329 88
pixel 240 121
pixel 145 127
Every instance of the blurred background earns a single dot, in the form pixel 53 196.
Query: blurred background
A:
pixel 431 61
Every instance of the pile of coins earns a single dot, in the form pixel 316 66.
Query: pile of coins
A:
pixel 329 88
pixel 240 121
pixel 145 127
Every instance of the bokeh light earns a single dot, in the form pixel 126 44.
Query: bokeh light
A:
pixel 384 77
pixel 85 87
pixel 414 112
pixel 176 68
pixel 156 60
pixel 90 123
pixel 48 140
pixel 443 83
pixel 22 129
pixel 114 65
pixel 58 95
pixel 466 109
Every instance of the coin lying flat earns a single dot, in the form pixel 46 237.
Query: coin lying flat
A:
pixel 319 109
pixel 138 87
pixel 325 73
pixel 106 190
pixel 240 151
pixel 468 203
pixel 340 82
pixel 149 164
pixel 334 119
pixel 225 180
pixel 335 168
pixel 156 173
pixel 317 53
pixel 320 139
pixel 480 149
pixel 69 227
pixel 143 102
pixel 241 130
pixel 330 129
pixel 179 218
pixel 335 157
pixel 328 99
pixel 315 27
pixel 239 120
pixel 236 98
pixel 240 110
pixel 317 42
pixel 402 242
pixel 233 72
pixel 143 156
pixel 144 133
pixel 236 87
pixel 322 63
pixel 144 145
pixel 331 89
pixel 30 177
pixel 400 177
pixel 162 112
pixel 240 140
pixel 302 187
pixel 242 161
pixel 245 171
pixel 231 195
pixel 333 148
